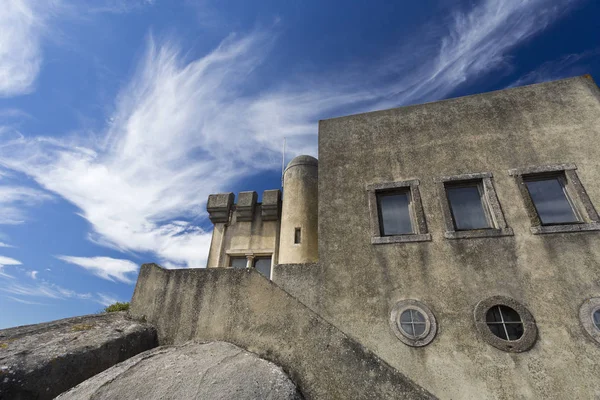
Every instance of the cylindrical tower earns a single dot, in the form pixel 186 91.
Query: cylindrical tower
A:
pixel 298 240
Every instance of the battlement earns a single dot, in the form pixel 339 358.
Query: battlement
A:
pixel 252 234
pixel 221 206
pixel 246 232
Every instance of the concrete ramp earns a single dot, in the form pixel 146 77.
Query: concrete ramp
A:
pixel 244 308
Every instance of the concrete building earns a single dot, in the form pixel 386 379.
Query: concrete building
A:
pixel 456 241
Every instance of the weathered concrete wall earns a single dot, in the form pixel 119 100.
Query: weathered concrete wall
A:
pixel 41 361
pixel 299 210
pixel 552 274
pixel 299 280
pixel 244 308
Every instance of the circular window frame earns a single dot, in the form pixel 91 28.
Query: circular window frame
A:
pixel 524 343
pixel 430 323
pixel 586 317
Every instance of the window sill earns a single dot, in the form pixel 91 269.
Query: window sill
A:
pixel 478 233
pixel 540 230
pixel 410 238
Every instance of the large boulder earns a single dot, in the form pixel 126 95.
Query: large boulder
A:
pixel 41 361
pixel 215 371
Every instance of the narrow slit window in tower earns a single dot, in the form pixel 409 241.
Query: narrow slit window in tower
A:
pixel 297 235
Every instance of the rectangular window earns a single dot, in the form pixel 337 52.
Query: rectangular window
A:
pixel 467 205
pixel 394 213
pixel 470 207
pixel 297 236
pixel 551 200
pixel 238 262
pixel 263 265
pixel 555 199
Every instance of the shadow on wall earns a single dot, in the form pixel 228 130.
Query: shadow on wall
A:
pixel 244 308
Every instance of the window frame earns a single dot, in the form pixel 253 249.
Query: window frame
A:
pixel 395 192
pixel 586 318
pixel 575 193
pixel 250 259
pixel 231 257
pixel 417 215
pixel 426 324
pixel 503 323
pixel 297 235
pixel 431 325
pixel 257 257
pixel 484 206
pixel 562 180
pixel 527 339
pixel 490 204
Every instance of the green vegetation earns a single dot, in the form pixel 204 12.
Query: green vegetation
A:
pixel 81 327
pixel 117 307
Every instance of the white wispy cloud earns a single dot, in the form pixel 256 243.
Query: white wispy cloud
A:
pixel 20 53
pixel 117 6
pixel 7 261
pixel 14 201
pixel 32 274
pixel 11 113
pixel 105 267
pixel 25 24
pixel 183 129
pixel 47 290
pixel 43 289
pixel 25 301
pixel 478 41
pixel 5 275
pixel 567 66
pixel 106 299
pixel 5 245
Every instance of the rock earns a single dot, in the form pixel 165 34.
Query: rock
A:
pixel 41 361
pixel 215 371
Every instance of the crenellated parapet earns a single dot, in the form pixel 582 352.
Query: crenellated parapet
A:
pixel 219 207
pixel 245 206
pixel 246 232
pixel 271 205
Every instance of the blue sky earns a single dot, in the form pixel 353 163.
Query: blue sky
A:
pixel 119 118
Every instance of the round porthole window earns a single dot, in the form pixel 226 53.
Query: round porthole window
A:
pixel 505 324
pixel 589 316
pixel 413 323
